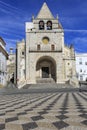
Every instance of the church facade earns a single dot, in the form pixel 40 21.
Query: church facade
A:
pixel 43 57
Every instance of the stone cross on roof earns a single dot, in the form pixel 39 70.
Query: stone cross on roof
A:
pixel 45 13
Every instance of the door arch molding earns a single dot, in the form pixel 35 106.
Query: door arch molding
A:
pixel 46 68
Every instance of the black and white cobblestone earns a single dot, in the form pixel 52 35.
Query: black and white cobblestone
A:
pixel 43 111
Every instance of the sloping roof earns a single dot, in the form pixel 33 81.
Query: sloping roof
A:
pixel 2 41
pixel 3 51
pixel 45 13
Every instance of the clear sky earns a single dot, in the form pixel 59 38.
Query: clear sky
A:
pixel 72 15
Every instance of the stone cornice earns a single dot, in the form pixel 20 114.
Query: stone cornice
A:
pixel 45 51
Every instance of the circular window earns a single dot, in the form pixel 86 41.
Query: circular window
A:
pixel 45 40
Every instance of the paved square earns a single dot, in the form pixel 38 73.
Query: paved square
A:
pixel 43 111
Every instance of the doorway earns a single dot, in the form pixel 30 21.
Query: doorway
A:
pixel 45 72
pixel 46 68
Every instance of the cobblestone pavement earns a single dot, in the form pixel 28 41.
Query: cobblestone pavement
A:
pixel 44 111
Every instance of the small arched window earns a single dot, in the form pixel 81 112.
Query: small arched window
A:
pixel 52 47
pixel 49 25
pixel 41 25
pixel 38 47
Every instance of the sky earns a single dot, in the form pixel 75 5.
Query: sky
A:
pixel 72 15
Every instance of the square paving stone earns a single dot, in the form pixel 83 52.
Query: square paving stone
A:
pixel 8 118
pixel 21 125
pixel 83 115
pixel 62 117
pixel 84 122
pixel 35 118
pixel 43 112
pixel 63 112
pixel 45 124
pixel 30 125
pixel 2 126
pixel 60 124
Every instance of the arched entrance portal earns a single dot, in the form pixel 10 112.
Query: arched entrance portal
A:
pixel 46 69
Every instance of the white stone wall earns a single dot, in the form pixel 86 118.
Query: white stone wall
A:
pixel 34 57
pixel 36 38
pixel 69 62
pixel 62 57
pixel 11 66
pixel 81 66
pixel 65 62
pixel 20 61
pixel 3 71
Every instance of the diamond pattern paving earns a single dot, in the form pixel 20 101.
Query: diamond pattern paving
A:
pixel 61 124
pixel 43 111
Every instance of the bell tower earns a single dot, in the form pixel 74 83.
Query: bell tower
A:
pixel 45 41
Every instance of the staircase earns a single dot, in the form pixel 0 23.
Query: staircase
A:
pixel 45 80
pixel 46 87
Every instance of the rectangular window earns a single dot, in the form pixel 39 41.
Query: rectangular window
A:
pixel 52 47
pixel 22 52
pixel 81 77
pixel 80 62
pixel 80 70
pixel 85 63
pixel 38 47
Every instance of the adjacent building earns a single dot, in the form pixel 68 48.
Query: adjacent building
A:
pixel 3 62
pixel 43 57
pixel 81 66
pixel 11 65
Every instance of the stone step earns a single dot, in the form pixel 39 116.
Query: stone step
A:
pixel 45 80
pixel 46 86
